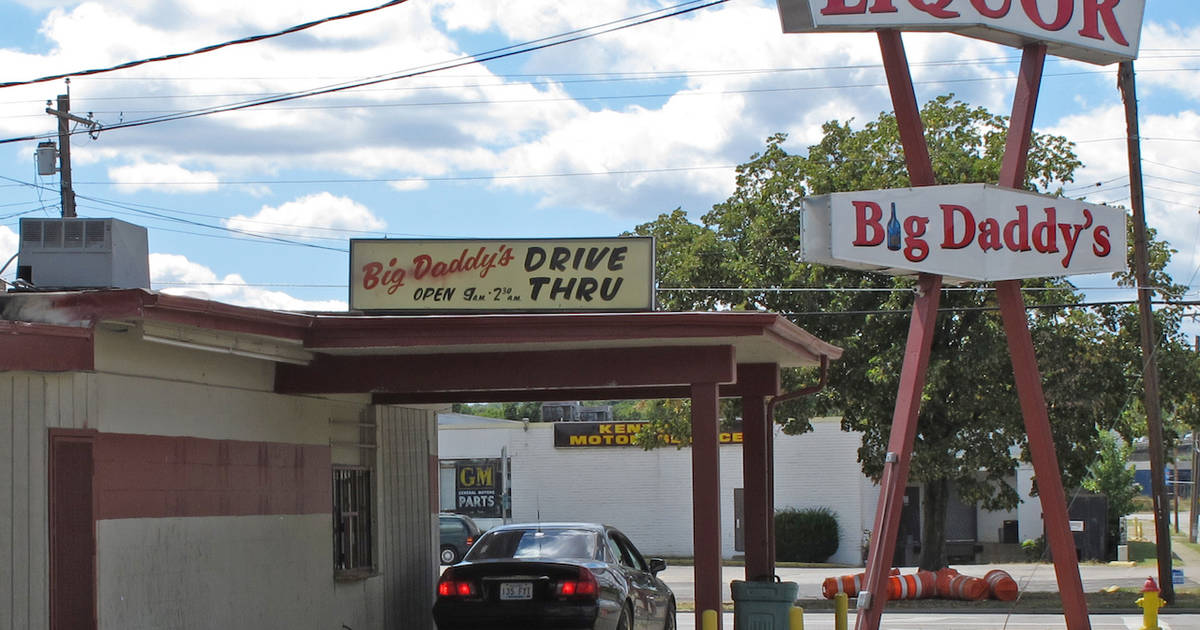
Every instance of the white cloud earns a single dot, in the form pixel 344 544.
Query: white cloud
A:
pixel 175 274
pixel 171 178
pixel 320 215
pixel 8 247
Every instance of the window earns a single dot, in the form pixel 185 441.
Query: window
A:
pixel 353 550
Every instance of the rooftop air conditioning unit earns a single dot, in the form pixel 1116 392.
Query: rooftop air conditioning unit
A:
pixel 83 254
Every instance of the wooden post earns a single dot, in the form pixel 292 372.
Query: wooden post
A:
pixel 706 499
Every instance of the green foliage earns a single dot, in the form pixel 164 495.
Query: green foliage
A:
pixel 971 430
pixel 1113 476
pixel 808 535
pixel 1034 549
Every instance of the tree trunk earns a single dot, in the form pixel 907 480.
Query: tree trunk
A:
pixel 933 527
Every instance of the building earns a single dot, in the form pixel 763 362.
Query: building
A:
pixel 179 462
pixel 645 493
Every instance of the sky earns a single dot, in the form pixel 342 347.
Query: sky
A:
pixel 585 139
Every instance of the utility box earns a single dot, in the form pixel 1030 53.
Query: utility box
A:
pixel 83 254
pixel 762 605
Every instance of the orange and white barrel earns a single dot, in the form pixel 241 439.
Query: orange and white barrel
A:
pixel 953 585
pixel 919 585
pixel 1001 585
pixel 848 584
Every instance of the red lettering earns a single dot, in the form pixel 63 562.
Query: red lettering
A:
pixel 1066 9
pixel 915 248
pixel 839 7
pixel 867 217
pixel 949 213
pixel 1092 16
pixel 1045 236
pixel 936 8
pixel 986 11
pixel 989 235
pixel 1102 246
pixel 1016 232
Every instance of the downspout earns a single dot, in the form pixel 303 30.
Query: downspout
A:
pixel 800 393
pixel 775 400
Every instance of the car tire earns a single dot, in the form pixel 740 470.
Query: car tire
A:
pixel 626 620
pixel 448 555
pixel 669 622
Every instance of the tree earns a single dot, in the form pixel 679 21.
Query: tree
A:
pixel 970 428
pixel 1113 476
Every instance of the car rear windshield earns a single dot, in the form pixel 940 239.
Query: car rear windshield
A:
pixel 534 543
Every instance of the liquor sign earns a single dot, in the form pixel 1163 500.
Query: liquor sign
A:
pixel 1096 31
pixel 966 232
pixel 477 487
pixel 577 434
pixel 574 274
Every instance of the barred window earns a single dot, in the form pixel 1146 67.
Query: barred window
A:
pixel 353 550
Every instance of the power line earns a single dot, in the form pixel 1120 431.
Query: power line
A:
pixel 207 49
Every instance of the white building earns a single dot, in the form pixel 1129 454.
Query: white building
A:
pixel 648 493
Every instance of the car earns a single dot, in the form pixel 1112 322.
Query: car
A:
pixel 458 533
pixel 554 576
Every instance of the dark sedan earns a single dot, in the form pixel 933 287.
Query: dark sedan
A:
pixel 552 576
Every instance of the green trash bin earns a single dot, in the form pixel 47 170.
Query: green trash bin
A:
pixel 762 605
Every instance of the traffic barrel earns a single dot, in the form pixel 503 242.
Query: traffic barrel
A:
pixel 1001 585
pixel 919 585
pixel 953 585
pixel 848 584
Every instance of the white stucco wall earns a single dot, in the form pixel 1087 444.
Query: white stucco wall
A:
pixel 648 494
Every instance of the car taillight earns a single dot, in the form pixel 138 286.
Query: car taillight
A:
pixel 585 586
pixel 470 540
pixel 449 587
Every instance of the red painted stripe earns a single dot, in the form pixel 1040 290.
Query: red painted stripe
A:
pixel 152 476
pixel 45 347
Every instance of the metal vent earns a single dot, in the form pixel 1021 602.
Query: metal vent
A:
pixel 94 233
pixel 52 237
pixel 73 234
pixel 32 232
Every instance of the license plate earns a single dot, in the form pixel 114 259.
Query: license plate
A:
pixel 516 590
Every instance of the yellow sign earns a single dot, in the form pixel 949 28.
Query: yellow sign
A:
pixel 574 274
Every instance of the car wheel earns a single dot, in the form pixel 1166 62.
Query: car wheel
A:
pixel 669 622
pixel 626 620
pixel 449 555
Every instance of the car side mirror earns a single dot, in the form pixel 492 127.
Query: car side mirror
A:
pixel 657 565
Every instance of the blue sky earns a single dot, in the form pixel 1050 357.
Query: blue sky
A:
pixel 585 139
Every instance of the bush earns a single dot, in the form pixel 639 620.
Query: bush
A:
pixel 808 535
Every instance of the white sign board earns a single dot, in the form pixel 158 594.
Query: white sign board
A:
pixel 1096 31
pixel 966 232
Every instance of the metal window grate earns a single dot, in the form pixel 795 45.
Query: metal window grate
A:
pixel 352 518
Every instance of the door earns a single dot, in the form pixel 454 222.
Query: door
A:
pixel 72 532
pixel 739 520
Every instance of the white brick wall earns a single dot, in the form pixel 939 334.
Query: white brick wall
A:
pixel 648 494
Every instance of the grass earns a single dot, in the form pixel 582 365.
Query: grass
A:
pixel 1121 599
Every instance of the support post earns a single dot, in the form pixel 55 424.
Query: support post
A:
pixel 1149 339
pixel 1025 369
pixel 916 352
pixel 706 496
pixel 760 556
pixel 64 157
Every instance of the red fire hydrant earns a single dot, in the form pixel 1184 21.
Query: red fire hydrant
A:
pixel 1150 603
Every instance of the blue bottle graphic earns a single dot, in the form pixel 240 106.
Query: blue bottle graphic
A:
pixel 893 231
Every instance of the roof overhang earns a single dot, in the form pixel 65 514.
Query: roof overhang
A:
pixel 451 358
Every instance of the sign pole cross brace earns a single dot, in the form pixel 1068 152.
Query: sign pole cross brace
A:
pixel 920 338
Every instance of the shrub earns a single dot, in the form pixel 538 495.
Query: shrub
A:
pixel 808 535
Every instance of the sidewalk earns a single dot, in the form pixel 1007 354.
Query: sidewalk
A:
pixel 1030 577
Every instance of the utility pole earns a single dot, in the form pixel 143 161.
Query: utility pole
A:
pixel 64 115
pixel 1125 82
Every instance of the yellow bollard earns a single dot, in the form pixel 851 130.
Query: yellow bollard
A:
pixel 708 620
pixel 841 610
pixel 1150 603
pixel 796 618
